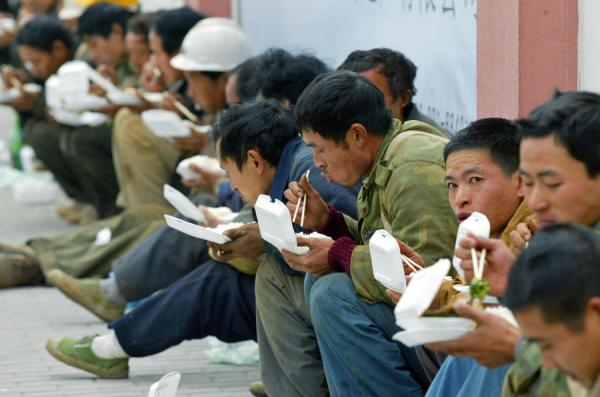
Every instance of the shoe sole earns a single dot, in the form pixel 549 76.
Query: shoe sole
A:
pixel 70 289
pixel 73 362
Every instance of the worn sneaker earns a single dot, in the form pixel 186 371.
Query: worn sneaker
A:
pixel 79 354
pixel 18 270
pixel 257 389
pixel 87 293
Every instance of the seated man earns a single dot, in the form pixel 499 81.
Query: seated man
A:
pixel 554 292
pixel 143 161
pixel 44 45
pixel 152 265
pixel 394 74
pixel 258 145
pixel 344 119
pixel 560 168
pixel 482 173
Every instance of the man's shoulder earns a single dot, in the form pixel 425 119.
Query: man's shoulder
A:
pixel 414 144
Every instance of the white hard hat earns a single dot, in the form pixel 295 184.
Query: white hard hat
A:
pixel 213 45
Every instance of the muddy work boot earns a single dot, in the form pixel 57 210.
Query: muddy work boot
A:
pixel 18 270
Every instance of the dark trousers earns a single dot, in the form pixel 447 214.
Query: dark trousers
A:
pixel 215 299
pixel 45 138
pixel 90 150
pixel 161 259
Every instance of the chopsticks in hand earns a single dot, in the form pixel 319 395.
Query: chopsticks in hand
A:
pixel 303 203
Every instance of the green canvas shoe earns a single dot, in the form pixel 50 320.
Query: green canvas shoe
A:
pixel 257 389
pixel 87 293
pixel 79 354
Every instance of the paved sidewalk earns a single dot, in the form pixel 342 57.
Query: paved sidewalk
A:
pixel 29 316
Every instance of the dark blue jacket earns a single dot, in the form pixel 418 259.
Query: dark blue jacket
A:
pixel 295 160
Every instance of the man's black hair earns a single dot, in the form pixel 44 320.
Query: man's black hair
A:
pixel 558 272
pixel 399 71
pixel 247 84
pixel 98 20
pixel 282 75
pixel 139 24
pixel 172 26
pixel 42 31
pixel 573 119
pixel 264 126
pixel 336 100
pixel 496 135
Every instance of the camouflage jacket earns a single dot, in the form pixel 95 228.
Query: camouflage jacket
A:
pixel 527 377
pixel 596 389
pixel 404 193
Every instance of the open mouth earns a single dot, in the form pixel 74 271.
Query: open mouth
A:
pixel 462 216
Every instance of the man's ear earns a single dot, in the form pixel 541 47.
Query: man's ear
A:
pixel 517 179
pixel 357 135
pixel 404 99
pixel 118 30
pixel 594 305
pixel 59 49
pixel 256 161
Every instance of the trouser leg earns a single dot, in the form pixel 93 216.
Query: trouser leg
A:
pixel 215 299
pixel 143 162
pixel 289 356
pixel 355 338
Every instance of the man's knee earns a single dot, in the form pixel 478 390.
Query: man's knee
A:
pixel 327 295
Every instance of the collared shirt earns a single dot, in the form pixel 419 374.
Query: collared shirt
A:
pixel 404 192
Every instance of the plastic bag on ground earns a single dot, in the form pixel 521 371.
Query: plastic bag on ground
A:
pixel 239 353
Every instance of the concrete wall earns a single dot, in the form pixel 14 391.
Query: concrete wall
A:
pixel 589 45
pixel 526 50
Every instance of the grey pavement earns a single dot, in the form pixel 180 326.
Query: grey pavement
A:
pixel 29 316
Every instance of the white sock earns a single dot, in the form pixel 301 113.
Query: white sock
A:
pixel 107 346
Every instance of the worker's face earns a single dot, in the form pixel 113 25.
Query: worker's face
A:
pixel 477 184
pixel 252 179
pixel 109 50
pixel 163 59
pixel 557 187
pixel 138 51
pixel 42 64
pixel 395 105
pixel 343 162
pixel 208 94
pixel 574 352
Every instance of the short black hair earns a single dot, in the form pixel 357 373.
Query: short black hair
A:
pixel 573 118
pixel 282 75
pixel 558 272
pixel 336 100
pixel 42 31
pixel 247 84
pixel 399 71
pixel 98 20
pixel 496 135
pixel 264 126
pixel 139 24
pixel 172 26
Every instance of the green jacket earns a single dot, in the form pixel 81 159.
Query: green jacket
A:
pixel 405 191
pixel 527 377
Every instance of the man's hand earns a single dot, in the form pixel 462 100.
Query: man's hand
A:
pixel 523 233
pixel 207 180
pixel 108 72
pixel 211 220
pixel 492 343
pixel 315 261
pixel 411 254
pixel 193 143
pixel 498 261
pixel 25 102
pixel 316 214
pixel 246 243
